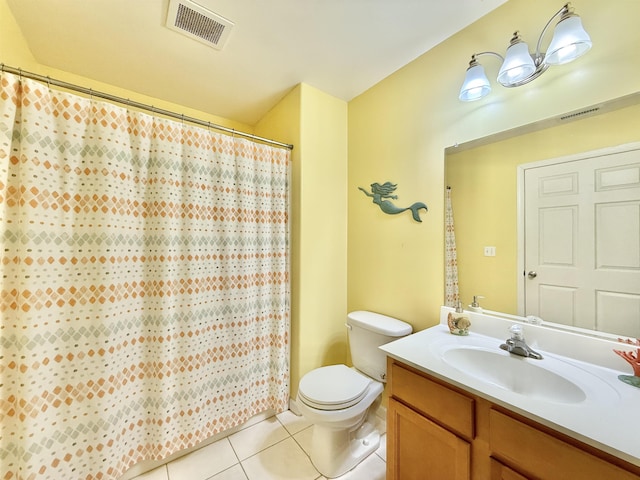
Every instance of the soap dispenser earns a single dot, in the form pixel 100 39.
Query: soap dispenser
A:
pixel 475 305
pixel 458 321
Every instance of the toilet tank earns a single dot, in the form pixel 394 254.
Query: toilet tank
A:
pixel 367 331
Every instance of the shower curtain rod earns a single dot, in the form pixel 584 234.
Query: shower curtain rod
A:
pixel 125 101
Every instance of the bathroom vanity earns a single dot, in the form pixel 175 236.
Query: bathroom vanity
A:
pixel 462 408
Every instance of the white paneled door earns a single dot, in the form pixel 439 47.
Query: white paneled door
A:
pixel 582 241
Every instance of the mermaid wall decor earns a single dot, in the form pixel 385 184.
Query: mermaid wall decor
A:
pixel 380 193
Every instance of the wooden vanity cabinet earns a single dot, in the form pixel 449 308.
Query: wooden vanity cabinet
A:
pixel 450 457
pixel 436 431
pixel 429 428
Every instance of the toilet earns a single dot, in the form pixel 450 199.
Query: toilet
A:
pixel 341 402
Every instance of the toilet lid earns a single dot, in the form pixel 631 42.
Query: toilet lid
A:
pixel 333 387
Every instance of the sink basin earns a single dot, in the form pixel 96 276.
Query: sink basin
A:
pixel 477 361
pixel 516 374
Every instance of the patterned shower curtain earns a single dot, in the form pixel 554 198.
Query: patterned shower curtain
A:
pixel 452 295
pixel 145 284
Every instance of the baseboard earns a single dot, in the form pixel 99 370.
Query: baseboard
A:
pixel 382 412
pixel 293 406
pixel 381 415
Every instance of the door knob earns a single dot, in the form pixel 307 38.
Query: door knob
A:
pixel 532 274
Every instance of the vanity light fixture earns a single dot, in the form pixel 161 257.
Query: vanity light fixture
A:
pixel 520 67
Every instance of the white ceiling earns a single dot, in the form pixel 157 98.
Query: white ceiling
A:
pixel 342 47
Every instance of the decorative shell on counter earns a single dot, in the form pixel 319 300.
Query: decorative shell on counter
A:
pixel 459 325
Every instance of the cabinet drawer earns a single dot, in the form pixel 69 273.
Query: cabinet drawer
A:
pixel 544 456
pixel 448 407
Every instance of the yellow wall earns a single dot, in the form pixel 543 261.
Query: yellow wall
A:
pixel 323 232
pixel 398 131
pixel 316 123
pixel 484 189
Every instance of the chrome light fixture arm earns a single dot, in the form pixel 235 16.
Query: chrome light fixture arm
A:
pixel 474 62
pixel 494 54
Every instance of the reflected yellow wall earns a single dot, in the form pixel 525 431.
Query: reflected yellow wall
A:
pixel 398 131
pixel 484 196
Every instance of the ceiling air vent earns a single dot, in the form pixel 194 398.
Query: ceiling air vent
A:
pixel 199 23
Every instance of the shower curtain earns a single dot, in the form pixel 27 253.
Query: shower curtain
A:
pixel 145 284
pixel 452 295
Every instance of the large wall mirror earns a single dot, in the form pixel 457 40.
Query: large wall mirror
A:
pixel 486 183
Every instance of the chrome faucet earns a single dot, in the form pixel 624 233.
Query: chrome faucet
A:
pixel 517 345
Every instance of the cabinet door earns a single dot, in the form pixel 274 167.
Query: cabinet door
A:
pixel 502 472
pixel 419 449
pixel 544 456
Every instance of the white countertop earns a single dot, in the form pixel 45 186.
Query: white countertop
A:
pixel 607 419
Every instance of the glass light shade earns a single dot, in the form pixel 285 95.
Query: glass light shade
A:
pixel 476 84
pixel 517 65
pixel 570 41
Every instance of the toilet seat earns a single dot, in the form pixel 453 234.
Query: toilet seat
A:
pixel 333 388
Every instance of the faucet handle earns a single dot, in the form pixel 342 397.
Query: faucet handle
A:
pixel 517 332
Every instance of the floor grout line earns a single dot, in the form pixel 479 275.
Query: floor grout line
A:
pixel 234 450
pixel 289 435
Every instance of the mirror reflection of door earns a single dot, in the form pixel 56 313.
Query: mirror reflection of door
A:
pixel 582 242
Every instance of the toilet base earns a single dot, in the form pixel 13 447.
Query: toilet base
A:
pixel 335 452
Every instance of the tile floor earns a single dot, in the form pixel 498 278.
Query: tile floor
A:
pixel 274 449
